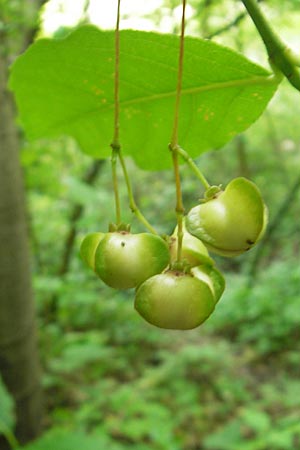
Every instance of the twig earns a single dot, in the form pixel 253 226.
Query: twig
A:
pixel 227 27
pixel 173 146
pixel 230 25
pixel 280 56
pixel 274 225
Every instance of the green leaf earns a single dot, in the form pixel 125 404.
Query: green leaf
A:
pixel 60 439
pixel 66 87
pixel 258 421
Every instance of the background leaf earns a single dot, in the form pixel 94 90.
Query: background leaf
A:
pixel 61 439
pixel 7 417
pixel 65 87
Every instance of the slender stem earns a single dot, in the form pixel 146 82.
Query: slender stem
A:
pixel 193 166
pixel 133 206
pixel 115 145
pixel 179 203
pixel 174 138
pixel 116 142
pixel 114 159
pixel 280 55
pixel 9 436
pixel 173 146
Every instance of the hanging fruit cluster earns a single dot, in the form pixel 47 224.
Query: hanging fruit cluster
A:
pixel 176 281
pixel 180 294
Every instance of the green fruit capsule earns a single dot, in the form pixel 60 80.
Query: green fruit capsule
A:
pixel 124 260
pixel 233 221
pixel 175 300
pixel 193 250
pixel 88 248
pixel 212 277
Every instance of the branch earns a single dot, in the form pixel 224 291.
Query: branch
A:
pixel 274 225
pixel 76 213
pixel 280 56
pixel 227 27
pixel 230 25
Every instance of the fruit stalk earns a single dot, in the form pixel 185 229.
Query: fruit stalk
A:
pixel 115 145
pixel 179 204
pixel 193 166
pixel 133 206
pixel 114 159
pixel 116 142
pixel 174 138
pixel 173 146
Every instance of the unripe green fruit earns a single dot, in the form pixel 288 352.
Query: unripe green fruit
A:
pixel 175 300
pixel 124 260
pixel 233 221
pixel 193 250
pixel 212 277
pixel 88 248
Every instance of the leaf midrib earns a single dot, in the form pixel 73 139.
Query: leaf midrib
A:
pixel 245 82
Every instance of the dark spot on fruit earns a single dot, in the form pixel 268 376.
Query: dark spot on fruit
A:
pixel 249 241
pixel 123 244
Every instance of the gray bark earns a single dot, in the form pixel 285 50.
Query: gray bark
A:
pixel 19 364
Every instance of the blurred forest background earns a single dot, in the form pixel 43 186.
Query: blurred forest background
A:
pixel 110 380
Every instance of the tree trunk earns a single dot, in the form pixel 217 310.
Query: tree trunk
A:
pixel 19 364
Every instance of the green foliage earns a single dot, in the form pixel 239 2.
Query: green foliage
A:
pixel 16 17
pixel 262 433
pixel 263 315
pixel 230 385
pixel 210 387
pixel 112 381
pixel 233 384
pixel 61 439
pixel 7 416
pixel 66 87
